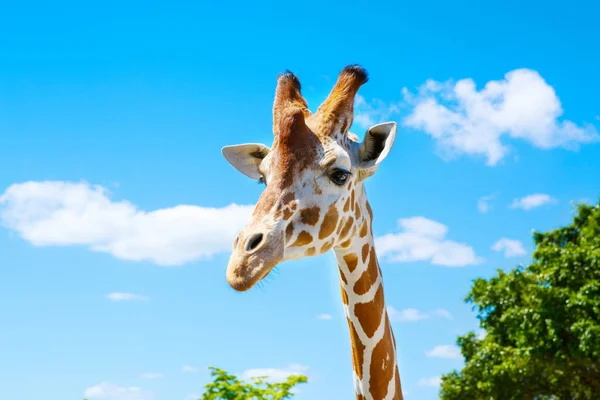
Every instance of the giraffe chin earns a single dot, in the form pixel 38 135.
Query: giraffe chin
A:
pixel 245 272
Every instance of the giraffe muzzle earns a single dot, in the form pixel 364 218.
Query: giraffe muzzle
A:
pixel 254 255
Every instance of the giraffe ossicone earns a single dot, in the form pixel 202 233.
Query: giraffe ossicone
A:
pixel 314 201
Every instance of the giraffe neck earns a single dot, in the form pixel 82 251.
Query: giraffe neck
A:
pixel 375 368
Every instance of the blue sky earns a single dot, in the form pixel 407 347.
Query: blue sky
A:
pixel 116 204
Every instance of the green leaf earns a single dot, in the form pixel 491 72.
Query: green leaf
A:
pixel 542 322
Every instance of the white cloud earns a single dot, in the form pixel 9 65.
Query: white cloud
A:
pixel 65 214
pixel 463 120
pixel 483 203
pixel 422 239
pixel 432 382
pixel 406 315
pixel 442 313
pixel 276 374
pixel 532 201
pixel 324 316
pixel 112 391
pixel 151 375
pixel 193 397
pixel 367 114
pixel 444 351
pixel 412 314
pixel 188 369
pixel 511 247
pixel 120 296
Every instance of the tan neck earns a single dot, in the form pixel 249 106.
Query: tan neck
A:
pixel 374 360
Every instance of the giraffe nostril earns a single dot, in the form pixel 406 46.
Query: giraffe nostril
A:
pixel 254 241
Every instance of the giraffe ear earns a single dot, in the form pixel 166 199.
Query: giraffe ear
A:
pixel 246 158
pixel 376 145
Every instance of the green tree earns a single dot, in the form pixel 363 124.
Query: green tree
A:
pixel 542 323
pixel 225 386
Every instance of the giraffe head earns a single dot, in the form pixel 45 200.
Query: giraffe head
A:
pixel 311 173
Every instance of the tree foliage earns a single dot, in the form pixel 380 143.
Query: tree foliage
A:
pixel 225 386
pixel 542 322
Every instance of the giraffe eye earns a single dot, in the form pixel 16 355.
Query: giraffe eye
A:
pixel 339 176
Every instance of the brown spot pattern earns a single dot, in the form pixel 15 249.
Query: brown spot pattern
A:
pixel 310 216
pixel 370 211
pixel 369 314
pixel 365 252
pixel 329 222
pixel 357 212
pixel 287 213
pixel 358 350
pixel 289 231
pixel 368 277
pixel 303 238
pixel 278 214
pixel 327 246
pixel 363 229
pixel 311 252
pixel 382 365
pixel 347 205
pixel 346 228
pixel 351 261
pixel 316 188
pixel 346 244
pixel 288 197
pixel 398 386
pixel 343 278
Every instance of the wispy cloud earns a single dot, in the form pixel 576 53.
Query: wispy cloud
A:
pixel 276 374
pixel 532 201
pixel 422 239
pixel 483 203
pixel 434 381
pixel 189 369
pixel 466 121
pixel 406 315
pixel 413 315
pixel 444 351
pixel 151 375
pixel 440 312
pixel 325 317
pixel 510 247
pixel 113 391
pixel 67 214
pixel 120 296
pixel 369 113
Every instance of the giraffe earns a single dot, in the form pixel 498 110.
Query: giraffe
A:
pixel 314 201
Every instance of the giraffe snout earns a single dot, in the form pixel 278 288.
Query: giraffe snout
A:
pixel 256 250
